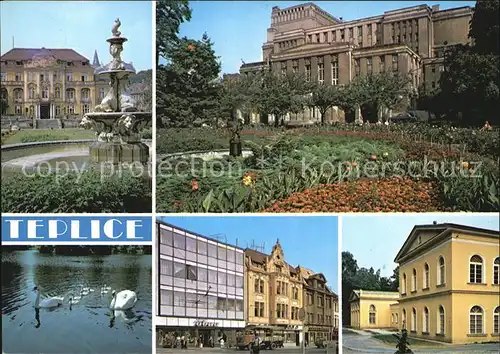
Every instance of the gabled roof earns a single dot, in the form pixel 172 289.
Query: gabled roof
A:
pixel 442 230
pixel 21 54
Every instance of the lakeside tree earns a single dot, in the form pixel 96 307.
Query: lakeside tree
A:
pixel 355 278
pixel 188 87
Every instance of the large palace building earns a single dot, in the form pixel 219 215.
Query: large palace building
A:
pixel 449 287
pixel 47 83
pixel 413 40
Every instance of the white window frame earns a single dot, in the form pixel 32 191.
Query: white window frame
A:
pixel 321 73
pixel 427 271
pixel 372 312
pixel 413 326
pixel 482 320
pixel 476 264
pixel 496 268
pixel 441 320
pixel 441 273
pixel 425 320
pixel 335 72
pixel 414 280
pixel 496 320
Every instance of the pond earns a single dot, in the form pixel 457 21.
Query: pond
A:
pixel 87 325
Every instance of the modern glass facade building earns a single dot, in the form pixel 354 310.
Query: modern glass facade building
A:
pixel 200 286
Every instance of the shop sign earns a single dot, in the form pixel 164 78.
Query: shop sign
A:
pixel 201 323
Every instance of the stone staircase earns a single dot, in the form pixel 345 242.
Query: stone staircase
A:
pixel 48 124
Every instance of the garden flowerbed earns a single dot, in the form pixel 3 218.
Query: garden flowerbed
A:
pixel 367 195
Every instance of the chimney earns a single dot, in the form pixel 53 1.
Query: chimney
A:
pixel 435 8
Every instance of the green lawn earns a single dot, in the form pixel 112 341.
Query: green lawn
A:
pixel 36 135
pixel 390 339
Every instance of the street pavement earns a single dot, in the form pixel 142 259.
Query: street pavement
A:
pixel 356 343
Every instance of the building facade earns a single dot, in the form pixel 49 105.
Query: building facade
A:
pixel 274 293
pixel 373 309
pixel 449 283
pixel 49 83
pixel 200 287
pixel 321 307
pixel 413 41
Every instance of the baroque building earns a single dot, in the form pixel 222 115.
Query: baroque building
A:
pixel 47 83
pixel 449 287
pixel 321 307
pixel 308 40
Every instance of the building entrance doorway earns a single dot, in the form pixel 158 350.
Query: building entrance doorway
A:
pixel 45 111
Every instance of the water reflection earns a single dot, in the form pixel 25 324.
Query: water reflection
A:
pixel 84 324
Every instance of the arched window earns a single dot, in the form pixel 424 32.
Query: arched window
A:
pixel 18 94
pixel 426 276
pixel 496 320
pixel 373 315
pixel 476 320
pixel 496 271
pixel 403 318
pixel 397 318
pixel 414 280
pixel 425 320
pixel 413 320
pixel 403 286
pixel 441 273
pixel 85 94
pixel 57 92
pixel 476 269
pixel 3 94
pixel 70 94
pixel 441 320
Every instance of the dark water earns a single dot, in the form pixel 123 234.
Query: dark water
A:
pixel 87 326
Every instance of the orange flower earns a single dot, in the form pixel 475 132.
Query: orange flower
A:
pixel 373 157
pixel 354 164
pixel 465 164
pixel 194 185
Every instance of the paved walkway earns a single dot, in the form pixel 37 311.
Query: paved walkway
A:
pixel 355 342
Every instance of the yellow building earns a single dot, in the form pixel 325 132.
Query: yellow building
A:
pixel 274 292
pixel 49 83
pixel 372 309
pixel 449 283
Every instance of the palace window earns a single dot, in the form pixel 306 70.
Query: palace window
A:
pixel 397 318
pixel 85 77
pixel 320 301
pixel 42 76
pixel 57 92
pixel 476 320
pixel 414 320
pixel 85 94
pixel 281 311
pixel 58 111
pixel 317 38
pixel 86 109
pixel 308 72
pixel 321 73
pixel 476 269
pixel 382 64
pixel 18 94
pixel 394 62
pixel 259 309
pixel 369 65
pixel 414 280
pixel 342 35
pixel 372 315
pixel 360 34
pixel 496 321
pixel 496 271
pixel 403 285
pixel 70 94
pixel 101 93
pixel 259 286
pixel 441 320
pixel 425 320
pixel 426 276
pixel 19 77
pixel 335 70
pixel 69 76
pixel 71 109
pixel 356 67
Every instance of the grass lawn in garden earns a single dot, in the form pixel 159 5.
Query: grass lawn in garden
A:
pixel 39 135
pixel 328 169
pixel 390 339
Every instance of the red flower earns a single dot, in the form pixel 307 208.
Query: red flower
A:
pixel 194 185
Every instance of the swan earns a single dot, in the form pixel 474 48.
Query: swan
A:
pixel 50 302
pixel 123 300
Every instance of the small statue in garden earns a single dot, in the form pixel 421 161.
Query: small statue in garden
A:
pixel 235 127
pixel 403 345
pixel 486 126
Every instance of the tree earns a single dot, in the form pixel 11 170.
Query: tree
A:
pixel 169 16
pixel 484 27
pixel 188 85
pixel 3 105
pixel 325 97
pixel 279 94
pixel 236 94
pixel 382 90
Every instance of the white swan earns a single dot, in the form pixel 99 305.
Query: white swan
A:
pixel 123 300
pixel 50 302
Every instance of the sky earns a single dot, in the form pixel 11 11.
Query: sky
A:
pixel 239 28
pixel 309 241
pixel 80 25
pixel 374 240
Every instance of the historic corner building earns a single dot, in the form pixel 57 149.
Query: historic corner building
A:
pixel 449 286
pixel 200 286
pixel 412 40
pixel 47 83
pixel 275 293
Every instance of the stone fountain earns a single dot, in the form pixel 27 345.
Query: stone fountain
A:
pixel 116 120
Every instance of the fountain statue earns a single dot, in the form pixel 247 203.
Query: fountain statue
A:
pixel 116 120
pixel 235 126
